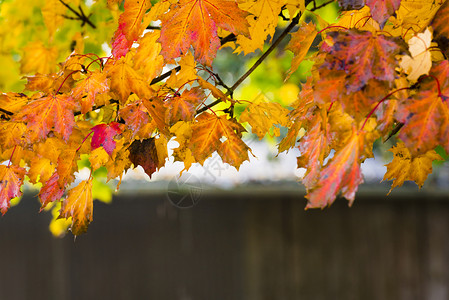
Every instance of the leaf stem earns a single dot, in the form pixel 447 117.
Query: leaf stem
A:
pixel 379 103
pixel 10 158
pixel 84 140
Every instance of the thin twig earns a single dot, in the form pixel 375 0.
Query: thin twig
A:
pixel 292 24
pixel 81 16
pixel 6 112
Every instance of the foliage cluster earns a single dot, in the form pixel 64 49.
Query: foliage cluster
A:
pixel 379 70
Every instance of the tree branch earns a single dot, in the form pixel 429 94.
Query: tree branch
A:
pixel 80 15
pixel 231 90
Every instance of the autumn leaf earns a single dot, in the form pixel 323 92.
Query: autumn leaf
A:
pixel 262 116
pixel 130 26
pixel 261 25
pixel 441 29
pixel 79 206
pixel 144 153
pixel 300 44
pixel 136 118
pixel 49 113
pixel 104 136
pixel 382 9
pixel 342 173
pixel 421 60
pixel 426 119
pixel 363 56
pixel 51 191
pixel 87 89
pixel 407 167
pixel 182 107
pixel 194 23
pixel 11 179
pixel 53 13
pixel 148 59
pixel 206 139
pixel 38 58
pixel 124 80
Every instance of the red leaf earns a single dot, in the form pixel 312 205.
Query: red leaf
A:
pixel 381 10
pixel 104 136
pixel 51 191
pixel 363 56
pixel 11 179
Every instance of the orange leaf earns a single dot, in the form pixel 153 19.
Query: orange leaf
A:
pixel 130 26
pixel 342 173
pixel 79 206
pixel 124 80
pixel 11 179
pixel 49 113
pixel 194 23
pixel 183 107
pixel 86 90
pixel 363 56
pixel 51 191
pixel 300 44
pixel 426 119
pixel 206 139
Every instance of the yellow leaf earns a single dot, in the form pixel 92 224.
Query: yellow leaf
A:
pixel 262 24
pixel 124 80
pixel 38 59
pixel 147 59
pixel 98 158
pixel 263 116
pixel 300 44
pixel 40 167
pixel 53 12
pixel 407 167
pixel 79 206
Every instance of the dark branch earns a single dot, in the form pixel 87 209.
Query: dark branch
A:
pixel 79 15
pixel 256 64
pixel 6 112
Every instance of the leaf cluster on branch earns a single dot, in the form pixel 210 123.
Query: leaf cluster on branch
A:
pixel 380 69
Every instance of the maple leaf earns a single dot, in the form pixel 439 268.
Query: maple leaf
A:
pixel 147 59
pixel 79 206
pixel 104 136
pixel 206 139
pixel 38 59
pixel 157 111
pixel 263 116
pixel 53 12
pixel 300 44
pixel 11 133
pixel 124 80
pixel 314 148
pixel 194 23
pixel 130 26
pixel 67 166
pixel 86 90
pixel 120 44
pixel 144 153
pixel 98 158
pixel 183 107
pixel 49 113
pixel 407 167
pixel 119 161
pixel 261 25
pixel 51 191
pixel 363 56
pixel 11 179
pixel 137 118
pixel 382 9
pixel 426 119
pixel 342 173
pixel 421 60
pixel 13 102
pixel 441 30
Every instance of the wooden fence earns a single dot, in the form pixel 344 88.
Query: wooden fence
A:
pixel 253 244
